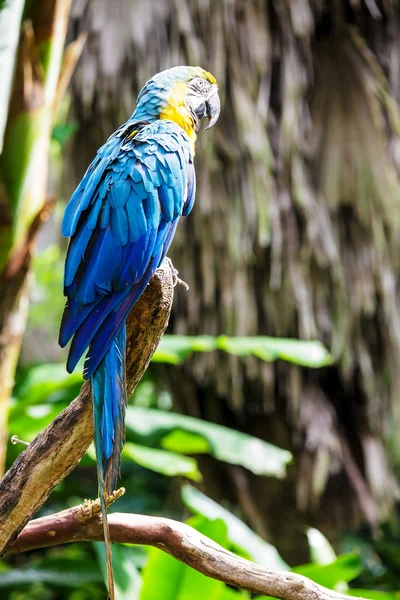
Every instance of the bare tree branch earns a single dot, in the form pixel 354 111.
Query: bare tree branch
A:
pixel 83 523
pixel 58 449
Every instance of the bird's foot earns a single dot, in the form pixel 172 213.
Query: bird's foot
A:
pixel 175 278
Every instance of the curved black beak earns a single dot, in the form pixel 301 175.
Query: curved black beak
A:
pixel 209 109
pixel 213 108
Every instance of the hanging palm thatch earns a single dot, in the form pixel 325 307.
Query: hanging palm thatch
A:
pixel 295 230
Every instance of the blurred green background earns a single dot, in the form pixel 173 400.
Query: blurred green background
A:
pixel 268 418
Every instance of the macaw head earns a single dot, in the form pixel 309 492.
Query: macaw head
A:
pixel 185 95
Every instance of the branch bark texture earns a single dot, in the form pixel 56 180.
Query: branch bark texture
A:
pixel 59 448
pixel 56 451
pixel 83 523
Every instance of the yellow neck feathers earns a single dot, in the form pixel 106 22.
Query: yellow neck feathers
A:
pixel 176 111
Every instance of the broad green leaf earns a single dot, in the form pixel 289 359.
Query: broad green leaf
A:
pixel 304 353
pixel 239 534
pixel 225 444
pixel 41 392
pixel 28 424
pixel 175 349
pixel 126 576
pixel 321 550
pixel 46 383
pixel 185 442
pixel 374 594
pixel 160 577
pixel 164 578
pixel 229 594
pixel 345 568
pixel 10 25
pixel 195 585
pixel 161 461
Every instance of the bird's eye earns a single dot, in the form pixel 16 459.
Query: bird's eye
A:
pixel 199 83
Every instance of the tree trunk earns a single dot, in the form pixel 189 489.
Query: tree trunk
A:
pixel 23 178
pixel 293 234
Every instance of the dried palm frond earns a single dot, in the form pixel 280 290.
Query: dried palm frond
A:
pixel 296 222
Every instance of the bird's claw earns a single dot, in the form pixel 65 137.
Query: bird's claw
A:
pixel 180 281
pixel 175 278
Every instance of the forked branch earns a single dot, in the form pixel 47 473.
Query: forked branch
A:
pixel 58 449
pixel 83 523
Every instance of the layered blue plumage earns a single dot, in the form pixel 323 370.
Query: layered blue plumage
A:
pixel 121 220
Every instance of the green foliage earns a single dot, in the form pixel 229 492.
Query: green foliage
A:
pixel 44 384
pixel 177 348
pixel 344 569
pixel 62 132
pixel 230 446
pixel 160 441
pixel 39 395
pixel 244 540
pixel 161 461
pixel 75 573
pixel 161 445
pixel 26 128
pixel 380 556
pixel 48 300
pixel 373 594
pixel 167 579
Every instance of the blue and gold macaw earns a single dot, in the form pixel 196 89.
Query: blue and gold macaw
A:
pixel 121 220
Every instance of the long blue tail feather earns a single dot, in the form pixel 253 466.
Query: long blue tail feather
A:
pixel 109 404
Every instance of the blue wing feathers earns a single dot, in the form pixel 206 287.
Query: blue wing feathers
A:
pixel 105 215
pixel 137 221
pixel 152 209
pixel 105 334
pixel 166 198
pixel 74 315
pixel 117 218
pixel 119 226
pixel 76 252
pixel 94 214
pixel 112 319
pixel 88 328
pixel 119 192
pixel 121 221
